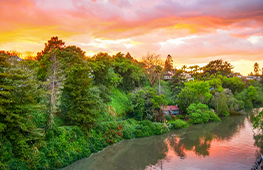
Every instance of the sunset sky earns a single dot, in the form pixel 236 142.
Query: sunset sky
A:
pixel 191 31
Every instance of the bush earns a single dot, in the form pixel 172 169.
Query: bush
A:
pixel 248 104
pixel 214 117
pixel 168 117
pixel 179 124
pixel 160 128
pixel 174 117
pixel 187 117
pixel 180 116
pixel 200 113
pixel 129 130
pixel 112 131
pixel 64 145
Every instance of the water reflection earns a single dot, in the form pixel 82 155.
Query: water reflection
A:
pixel 227 144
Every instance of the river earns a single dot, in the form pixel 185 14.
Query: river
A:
pixel 228 144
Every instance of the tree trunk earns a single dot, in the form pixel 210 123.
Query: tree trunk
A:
pixel 50 119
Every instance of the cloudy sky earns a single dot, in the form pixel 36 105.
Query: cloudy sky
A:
pixel 191 31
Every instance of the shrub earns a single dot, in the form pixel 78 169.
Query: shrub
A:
pixel 200 113
pixel 129 131
pixel 168 117
pixel 196 118
pixel 160 128
pixel 187 117
pixel 64 145
pixel 214 117
pixel 178 124
pixel 139 133
pixel 174 117
pixel 180 116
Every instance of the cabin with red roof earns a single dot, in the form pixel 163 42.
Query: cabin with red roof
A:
pixel 170 110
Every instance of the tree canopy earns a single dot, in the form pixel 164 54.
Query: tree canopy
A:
pixel 215 66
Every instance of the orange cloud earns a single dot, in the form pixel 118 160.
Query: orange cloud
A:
pixel 191 31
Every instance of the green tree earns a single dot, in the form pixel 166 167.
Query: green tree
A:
pixel 202 90
pixel 175 85
pixel 252 92
pixel 200 113
pixel 186 98
pixel 218 65
pixel 103 72
pixel 144 102
pixel 219 102
pixel 234 84
pixel 216 83
pixel 80 104
pixel 50 72
pixel 258 125
pixel 18 99
pixel 129 71
pixel 53 43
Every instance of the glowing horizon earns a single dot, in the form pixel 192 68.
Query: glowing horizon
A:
pixel 193 32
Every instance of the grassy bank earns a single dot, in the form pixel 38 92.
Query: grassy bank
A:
pixel 66 144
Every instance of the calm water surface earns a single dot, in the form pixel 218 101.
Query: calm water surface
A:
pixel 228 144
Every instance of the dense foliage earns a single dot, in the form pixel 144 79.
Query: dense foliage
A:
pixel 200 113
pixel 63 106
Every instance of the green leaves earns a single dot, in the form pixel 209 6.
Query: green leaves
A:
pixel 18 99
pixel 200 113
pixel 234 84
pixel 201 88
pixel 252 92
pixel 186 98
pixel 80 104
pixel 219 102
pixel 144 102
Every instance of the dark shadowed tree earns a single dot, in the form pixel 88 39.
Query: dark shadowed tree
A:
pixel 184 67
pixel 256 69
pixel 168 64
pixel 196 68
pixel 215 66
pixel 53 43
pixel 130 72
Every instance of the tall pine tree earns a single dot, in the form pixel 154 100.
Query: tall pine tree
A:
pixel 18 99
pixel 80 103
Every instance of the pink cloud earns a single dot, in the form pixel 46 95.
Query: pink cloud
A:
pixel 191 31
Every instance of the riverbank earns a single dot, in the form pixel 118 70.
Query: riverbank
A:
pixel 67 144
pixel 108 133
pixel 228 144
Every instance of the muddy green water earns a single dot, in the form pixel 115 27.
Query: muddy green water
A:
pixel 228 144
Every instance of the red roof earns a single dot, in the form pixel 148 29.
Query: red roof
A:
pixel 170 107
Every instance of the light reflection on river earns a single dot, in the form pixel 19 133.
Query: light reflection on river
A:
pixel 228 144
